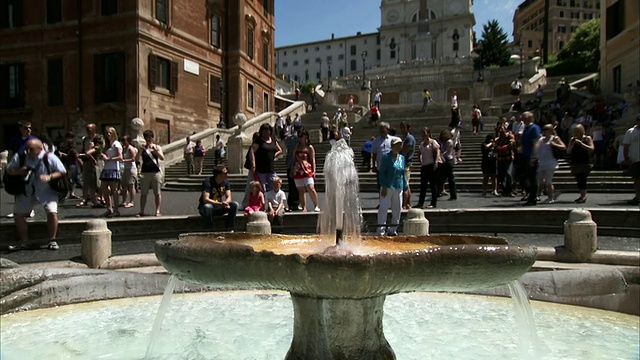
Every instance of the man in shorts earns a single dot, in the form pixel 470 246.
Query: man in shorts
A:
pixel 151 175
pixel 37 176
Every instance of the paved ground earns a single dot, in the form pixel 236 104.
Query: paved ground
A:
pixel 184 203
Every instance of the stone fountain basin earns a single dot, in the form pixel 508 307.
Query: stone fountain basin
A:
pixel 378 265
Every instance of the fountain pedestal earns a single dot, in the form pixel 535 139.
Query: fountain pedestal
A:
pixel 338 329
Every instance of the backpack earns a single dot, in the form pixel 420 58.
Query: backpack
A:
pixel 60 185
pixel 15 184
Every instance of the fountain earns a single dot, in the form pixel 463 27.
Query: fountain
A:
pixel 338 280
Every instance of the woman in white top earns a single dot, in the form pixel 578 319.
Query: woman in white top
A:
pixel 599 147
pixel 547 162
pixel 130 172
pixel 429 155
pixel 110 176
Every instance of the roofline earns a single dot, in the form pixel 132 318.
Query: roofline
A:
pixel 326 41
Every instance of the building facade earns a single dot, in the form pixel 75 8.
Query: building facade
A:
pixel 620 47
pixel 181 66
pixel 564 18
pixel 410 30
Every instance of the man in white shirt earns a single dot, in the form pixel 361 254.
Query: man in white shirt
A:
pixel 631 149
pixel 377 98
pixel 381 145
pixel 188 155
pixel 516 87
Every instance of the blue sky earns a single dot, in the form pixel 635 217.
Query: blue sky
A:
pixel 300 21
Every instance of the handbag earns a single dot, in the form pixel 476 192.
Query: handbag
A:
pixel 558 153
pixel 15 184
pixel 60 185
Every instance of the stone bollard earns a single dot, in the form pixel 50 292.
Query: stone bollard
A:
pixel 258 223
pixel 580 234
pixel 96 243
pixel 416 223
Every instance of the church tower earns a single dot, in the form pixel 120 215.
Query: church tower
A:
pixel 425 29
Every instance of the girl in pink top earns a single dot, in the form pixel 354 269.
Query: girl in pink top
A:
pixel 256 198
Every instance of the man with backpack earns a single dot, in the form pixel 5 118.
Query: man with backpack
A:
pixel 39 171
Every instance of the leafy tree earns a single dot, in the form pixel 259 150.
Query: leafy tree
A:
pixel 494 49
pixel 582 52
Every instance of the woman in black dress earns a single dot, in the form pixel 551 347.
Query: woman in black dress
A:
pixel 489 165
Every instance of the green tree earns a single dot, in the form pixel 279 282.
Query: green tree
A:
pixel 582 52
pixel 493 47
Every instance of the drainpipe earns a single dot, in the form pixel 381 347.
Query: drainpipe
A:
pixel 225 66
pixel 80 65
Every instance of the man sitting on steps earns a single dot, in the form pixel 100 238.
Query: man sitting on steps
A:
pixel 216 199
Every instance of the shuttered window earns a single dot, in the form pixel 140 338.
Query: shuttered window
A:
pixel 109 77
pixel 163 73
pixel 12 86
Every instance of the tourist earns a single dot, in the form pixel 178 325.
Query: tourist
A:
pixel 297 121
pixel 89 169
pixel 455 111
pixel 505 149
pixel 350 102
pixel 377 98
pixel 631 152
pixel 381 146
pixel 70 159
pixel 305 170
pixel 151 174
pixel 516 87
pixel 580 149
pixel 199 152
pixel 130 172
pixel 247 165
pixel 599 146
pixel 216 199
pixel 290 142
pixel 476 119
pixel 392 181
pixel 279 127
pixel 263 154
pixel 489 165
pixel 345 134
pixel 297 92
pixel 188 155
pixel 256 198
pixel 276 199
pixel 529 163
pixel 448 162
pixel 408 150
pixel 426 98
pixel 374 115
pixel 38 175
pixel 547 161
pixel 333 135
pixel 565 127
pixel 539 94
pixel 325 124
pixel 516 106
pixel 219 153
pixel 366 154
pixel 429 156
pixel 110 175
pixel 456 135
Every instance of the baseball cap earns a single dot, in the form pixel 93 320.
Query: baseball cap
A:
pixel 396 140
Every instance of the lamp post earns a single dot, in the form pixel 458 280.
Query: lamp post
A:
pixel 521 72
pixel 320 70
pixel 363 55
pixel 221 123
pixel 329 74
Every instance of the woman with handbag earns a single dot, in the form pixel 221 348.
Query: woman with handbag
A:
pixel 110 175
pixel 548 150
pixel 580 149
pixel 304 171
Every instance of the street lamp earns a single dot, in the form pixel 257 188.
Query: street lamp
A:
pixel 329 74
pixel 320 73
pixel 521 72
pixel 363 55
pixel 479 50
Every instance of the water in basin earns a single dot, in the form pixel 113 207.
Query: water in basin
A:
pixel 258 325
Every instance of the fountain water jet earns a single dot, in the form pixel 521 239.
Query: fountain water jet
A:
pixel 338 295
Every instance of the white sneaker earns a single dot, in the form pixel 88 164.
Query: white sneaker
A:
pixel 33 213
pixel 53 245
pixel 316 209
pixel 10 216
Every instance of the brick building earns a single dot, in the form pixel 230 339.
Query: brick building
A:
pixel 181 66
pixel 564 18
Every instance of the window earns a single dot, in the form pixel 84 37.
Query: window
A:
pixel 456 46
pixel 306 61
pixel 562 29
pixel 214 23
pixel 560 45
pixel 318 75
pixel 265 102
pixel 163 73
pixel 54 11
pixel 11 14
pixel 250 96
pixel 109 7
pixel 354 65
pixel 265 7
pixel 306 50
pixel 109 77
pixel 250 32
pixel 55 89
pixel 215 89
pixel 615 19
pixel 162 11
pixel 295 62
pixel 392 54
pixel 561 14
pixel 294 51
pixel 617 79
pixel 265 55
pixel 317 48
pixel 12 92
pixel 328 47
pixel 341 57
pixel 341 73
pixel 285 64
pixel 378 54
pixel 354 50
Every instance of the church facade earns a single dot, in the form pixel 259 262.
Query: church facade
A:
pixel 410 30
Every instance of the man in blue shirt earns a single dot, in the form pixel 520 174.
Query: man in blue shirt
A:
pixel 19 144
pixel 530 137
pixel 366 154
pixel 408 149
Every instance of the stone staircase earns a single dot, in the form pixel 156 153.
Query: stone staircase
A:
pixel 468 173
